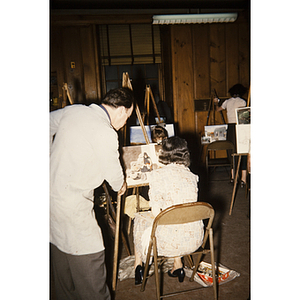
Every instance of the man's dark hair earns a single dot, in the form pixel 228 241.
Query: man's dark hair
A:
pixel 237 90
pixel 175 150
pixel 119 97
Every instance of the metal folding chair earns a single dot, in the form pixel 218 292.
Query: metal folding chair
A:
pixel 211 162
pixel 180 214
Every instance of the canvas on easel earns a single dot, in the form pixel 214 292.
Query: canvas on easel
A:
pixel 139 161
pixel 126 83
pixel 243 138
pixel 146 114
pixel 215 133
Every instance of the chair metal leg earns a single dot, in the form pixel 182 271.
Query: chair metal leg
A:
pixel 190 261
pixel 212 253
pixel 146 266
pixel 197 262
pixel 156 269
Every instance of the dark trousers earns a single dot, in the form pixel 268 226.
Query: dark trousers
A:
pixel 80 277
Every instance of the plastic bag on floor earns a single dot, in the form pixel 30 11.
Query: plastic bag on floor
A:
pixel 204 274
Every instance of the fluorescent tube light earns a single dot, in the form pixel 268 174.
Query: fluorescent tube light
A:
pixel 194 18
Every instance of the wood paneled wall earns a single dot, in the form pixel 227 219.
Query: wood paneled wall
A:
pixel 76 44
pixel 207 57
pixel 196 60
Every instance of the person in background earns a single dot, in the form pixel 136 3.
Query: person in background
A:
pixel 158 134
pixel 172 184
pixel 83 153
pixel 236 92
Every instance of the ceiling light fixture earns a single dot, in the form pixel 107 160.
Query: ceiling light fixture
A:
pixel 194 18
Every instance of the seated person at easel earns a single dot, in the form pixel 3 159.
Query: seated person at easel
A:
pixel 158 134
pixel 172 184
pixel 236 92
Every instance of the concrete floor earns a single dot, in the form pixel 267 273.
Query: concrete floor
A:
pixel 231 241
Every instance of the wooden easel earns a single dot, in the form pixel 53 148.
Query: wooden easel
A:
pixel 211 105
pixel 235 179
pixel 149 95
pixel 125 83
pixel 238 166
pixel 65 88
pixel 248 100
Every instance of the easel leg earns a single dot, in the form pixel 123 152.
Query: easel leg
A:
pixel 212 255
pixel 208 114
pixel 116 247
pixel 235 183
pixel 113 213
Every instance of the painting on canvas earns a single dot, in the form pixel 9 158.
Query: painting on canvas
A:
pixel 216 132
pixel 139 161
pixel 137 135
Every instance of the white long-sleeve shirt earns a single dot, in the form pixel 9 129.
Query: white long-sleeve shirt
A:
pixel 83 154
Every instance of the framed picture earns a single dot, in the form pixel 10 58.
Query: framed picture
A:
pixel 137 136
pixel 139 161
pixel 243 115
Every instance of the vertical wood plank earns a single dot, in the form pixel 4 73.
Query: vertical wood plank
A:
pixel 232 56
pixel 217 58
pixel 89 67
pixel 97 60
pixel 174 67
pixel 244 55
pixel 183 83
pixel 72 53
pixel 201 75
pixel 201 61
pixel 57 60
pixel 166 53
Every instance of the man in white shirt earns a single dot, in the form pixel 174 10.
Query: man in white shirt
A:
pixel 83 153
